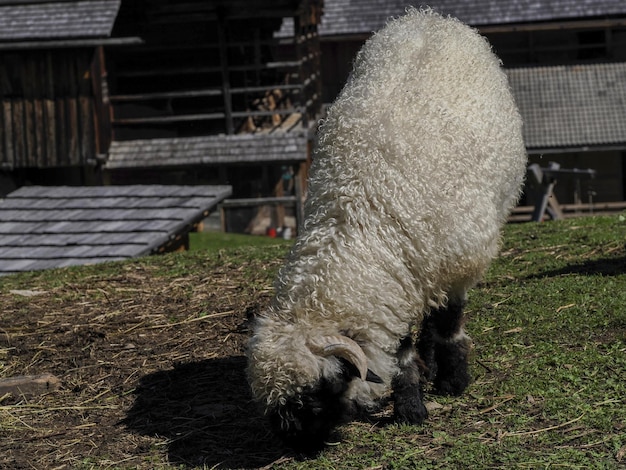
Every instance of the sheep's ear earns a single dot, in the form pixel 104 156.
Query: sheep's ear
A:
pixel 342 347
pixel 373 377
pixel 352 371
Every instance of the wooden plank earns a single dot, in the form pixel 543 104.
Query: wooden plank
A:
pixel 5 160
pixel 167 95
pixel 259 201
pixel 125 250
pixel 76 215
pixel 102 103
pixel 30 137
pixel 41 154
pixel 106 239
pixel 50 131
pixel 251 141
pixel 61 134
pixel 233 147
pixel 221 34
pixel 201 93
pixel 18 130
pixel 168 119
pixel 65 227
pixel 204 117
pixel 87 138
pixel 29 385
pixel 72 131
pixel 209 47
pixel 88 202
pixel 596 206
pixel 164 72
pixel 70 43
pixel 523 213
pixel 281 152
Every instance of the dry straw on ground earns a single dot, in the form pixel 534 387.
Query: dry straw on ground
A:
pixel 152 371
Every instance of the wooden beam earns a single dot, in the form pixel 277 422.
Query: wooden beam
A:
pixel 208 69
pixel 8 149
pixel 552 26
pixel 69 43
pixel 210 46
pixel 167 119
pixel 258 201
pixel 544 183
pixel 201 117
pixel 228 105
pixel 201 93
pixel 102 103
pixel 29 385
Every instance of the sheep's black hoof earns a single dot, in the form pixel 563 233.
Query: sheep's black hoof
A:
pixel 454 386
pixel 410 410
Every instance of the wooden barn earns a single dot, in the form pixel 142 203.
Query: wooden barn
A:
pixel 228 92
pixel 52 118
pixel 161 91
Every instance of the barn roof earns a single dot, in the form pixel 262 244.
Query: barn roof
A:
pixel 46 227
pixel 364 16
pixel 346 17
pixel 208 150
pixel 571 106
pixel 22 20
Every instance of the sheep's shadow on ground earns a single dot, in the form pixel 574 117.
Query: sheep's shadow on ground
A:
pixel 603 266
pixel 204 412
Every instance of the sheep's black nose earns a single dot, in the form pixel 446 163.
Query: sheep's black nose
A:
pixel 305 422
pixel 304 429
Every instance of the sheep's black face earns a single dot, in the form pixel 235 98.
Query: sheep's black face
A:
pixel 305 423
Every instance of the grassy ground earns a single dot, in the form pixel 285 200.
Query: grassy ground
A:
pixel 215 241
pixel 150 355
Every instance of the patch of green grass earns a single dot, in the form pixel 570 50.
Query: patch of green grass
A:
pixel 549 364
pixel 208 250
pixel 218 241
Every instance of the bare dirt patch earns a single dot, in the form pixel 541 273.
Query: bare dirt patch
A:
pixel 151 367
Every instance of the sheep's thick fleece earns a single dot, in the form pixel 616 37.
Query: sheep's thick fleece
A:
pixel 417 165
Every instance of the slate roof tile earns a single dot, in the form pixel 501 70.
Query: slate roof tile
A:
pixel 571 106
pixel 365 16
pixel 208 150
pixel 44 227
pixel 57 20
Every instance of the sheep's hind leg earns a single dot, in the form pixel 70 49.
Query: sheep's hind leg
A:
pixel 444 346
pixel 407 388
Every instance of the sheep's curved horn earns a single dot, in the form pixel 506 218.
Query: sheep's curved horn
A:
pixel 341 346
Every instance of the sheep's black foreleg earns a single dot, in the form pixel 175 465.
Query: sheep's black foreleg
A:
pixel 444 347
pixel 407 388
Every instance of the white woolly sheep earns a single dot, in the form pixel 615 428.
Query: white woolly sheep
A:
pixel 417 165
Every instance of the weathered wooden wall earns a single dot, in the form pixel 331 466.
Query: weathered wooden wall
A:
pixel 47 109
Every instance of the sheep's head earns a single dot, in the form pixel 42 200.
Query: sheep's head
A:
pixel 303 384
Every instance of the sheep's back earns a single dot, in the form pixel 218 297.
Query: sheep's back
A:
pixel 427 131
